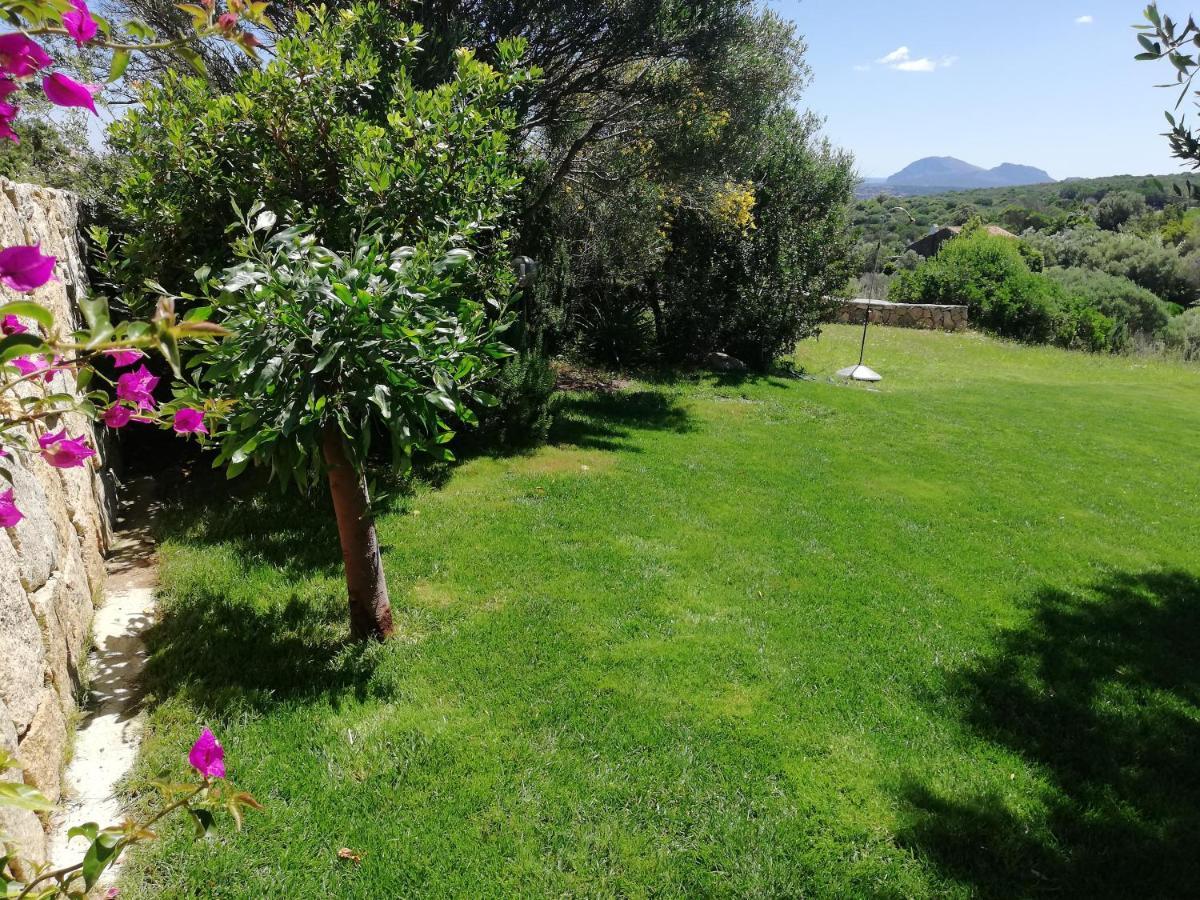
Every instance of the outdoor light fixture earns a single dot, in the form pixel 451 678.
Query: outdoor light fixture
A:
pixel 862 372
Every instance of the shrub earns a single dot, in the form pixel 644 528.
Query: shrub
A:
pixel 1116 209
pixel 1134 309
pixel 989 275
pixel 1182 335
pixel 522 414
pixel 1144 261
pixel 332 131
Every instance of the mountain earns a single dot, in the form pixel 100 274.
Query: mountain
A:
pixel 947 173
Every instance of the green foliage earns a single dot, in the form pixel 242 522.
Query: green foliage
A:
pixel 1118 208
pixel 755 292
pixel 380 340
pixel 332 131
pixel 1135 310
pixel 1146 261
pixel 54 154
pixel 522 414
pixel 1182 335
pixel 989 275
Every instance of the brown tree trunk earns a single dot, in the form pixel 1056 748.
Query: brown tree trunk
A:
pixel 370 609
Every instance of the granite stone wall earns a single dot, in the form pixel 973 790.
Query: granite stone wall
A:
pixel 904 315
pixel 52 562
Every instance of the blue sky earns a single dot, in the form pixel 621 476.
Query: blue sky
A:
pixel 1048 83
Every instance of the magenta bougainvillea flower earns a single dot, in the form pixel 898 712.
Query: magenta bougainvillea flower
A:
pixel 189 421
pixel 9 514
pixel 61 90
pixel 11 325
pixel 117 416
pixel 31 365
pixel 123 359
pixel 20 56
pixel 24 268
pixel 207 756
pixel 138 388
pixel 8 112
pixel 79 23
pixel 63 452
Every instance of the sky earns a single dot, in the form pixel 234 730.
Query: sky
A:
pixel 1046 83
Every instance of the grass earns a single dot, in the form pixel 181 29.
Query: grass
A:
pixel 749 638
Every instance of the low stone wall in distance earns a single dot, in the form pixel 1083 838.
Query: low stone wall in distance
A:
pixel 52 562
pixel 904 315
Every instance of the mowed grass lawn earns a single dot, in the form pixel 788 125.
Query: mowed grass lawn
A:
pixel 734 638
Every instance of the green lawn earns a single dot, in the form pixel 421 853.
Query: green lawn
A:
pixel 725 638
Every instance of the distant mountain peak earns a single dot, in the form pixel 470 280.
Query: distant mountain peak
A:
pixel 955 174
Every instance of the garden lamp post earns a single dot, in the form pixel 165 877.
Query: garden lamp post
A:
pixel 862 372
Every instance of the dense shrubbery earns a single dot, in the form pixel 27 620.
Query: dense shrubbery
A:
pixel 1182 335
pixel 1146 261
pixel 1136 310
pixel 989 275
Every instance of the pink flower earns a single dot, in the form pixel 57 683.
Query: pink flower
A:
pixel 31 365
pixel 8 87
pixel 63 452
pixel 138 388
pixel 190 421
pixel 8 112
pixel 79 23
pixel 12 325
pixel 122 359
pixel 25 268
pixel 117 416
pixel 227 22
pixel 64 91
pixel 207 756
pixel 9 514
pixel 19 56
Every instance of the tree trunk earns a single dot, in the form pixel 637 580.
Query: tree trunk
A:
pixel 370 609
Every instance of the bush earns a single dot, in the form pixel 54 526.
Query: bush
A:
pixel 989 275
pixel 1182 335
pixel 1144 261
pixel 1134 309
pixel 332 131
pixel 523 388
pixel 1116 209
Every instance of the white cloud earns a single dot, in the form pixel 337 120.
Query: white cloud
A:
pixel 1085 20
pixel 901 59
pixel 924 64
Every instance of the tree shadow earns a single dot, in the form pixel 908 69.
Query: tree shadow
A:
pixel 1101 696
pixel 230 658
pixel 608 421
pixel 294 533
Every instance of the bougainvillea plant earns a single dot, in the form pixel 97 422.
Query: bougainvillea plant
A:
pixel 199 798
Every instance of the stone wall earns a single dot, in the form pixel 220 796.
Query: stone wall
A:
pixel 52 562
pixel 904 315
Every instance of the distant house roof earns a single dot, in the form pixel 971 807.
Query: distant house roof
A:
pixel 932 242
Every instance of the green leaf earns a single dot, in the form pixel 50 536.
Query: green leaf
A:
pixel 95 313
pixel 203 820
pixel 29 310
pixel 19 345
pixel 22 796
pixel 101 854
pixel 120 62
pixel 88 830
pixel 327 357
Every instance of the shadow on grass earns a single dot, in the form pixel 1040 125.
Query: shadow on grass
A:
pixel 608 421
pixel 1102 698
pixel 230 654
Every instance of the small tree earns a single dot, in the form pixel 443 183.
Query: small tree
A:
pixel 330 351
